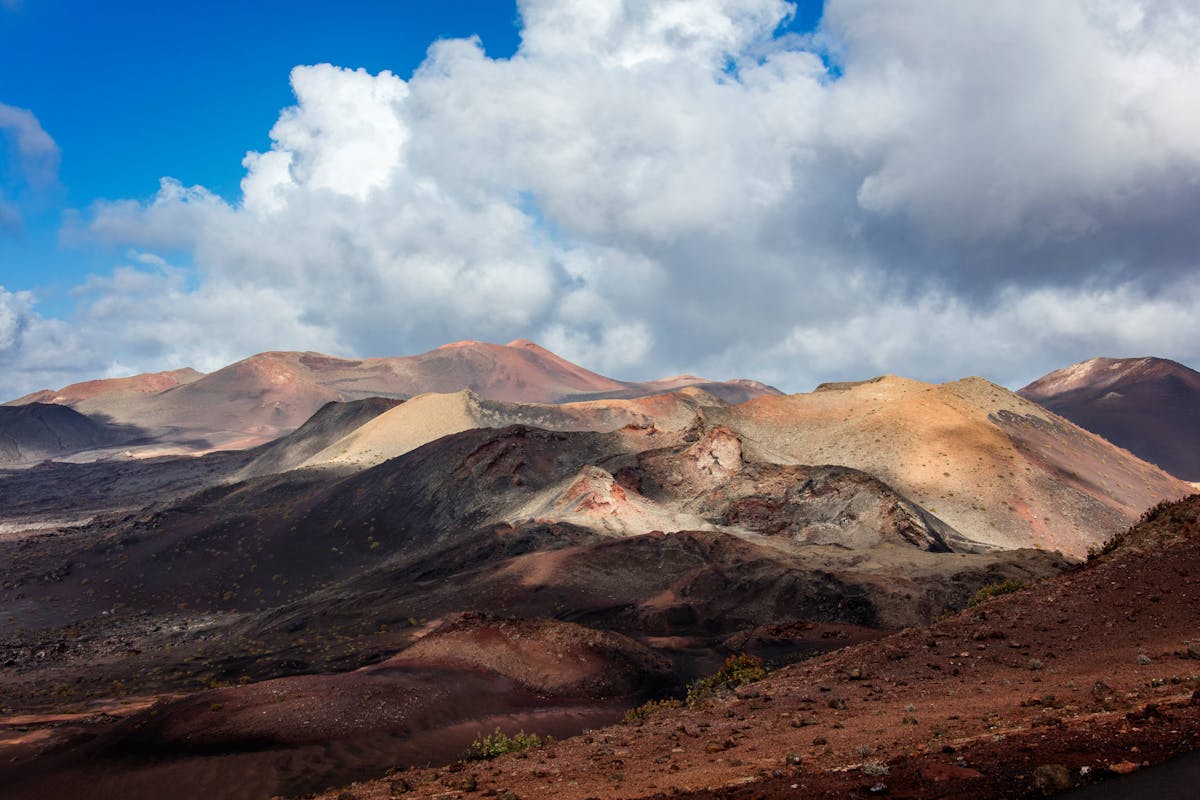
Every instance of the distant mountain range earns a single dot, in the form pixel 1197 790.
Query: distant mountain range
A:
pixel 1149 406
pixel 991 465
pixel 262 397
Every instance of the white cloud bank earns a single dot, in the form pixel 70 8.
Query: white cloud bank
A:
pixel 989 188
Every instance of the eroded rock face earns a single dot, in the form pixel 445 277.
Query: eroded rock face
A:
pixel 711 480
pixel 834 506
pixel 718 453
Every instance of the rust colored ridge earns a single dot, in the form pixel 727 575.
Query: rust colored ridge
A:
pixel 148 383
pixel 1076 679
pixel 548 656
pixel 998 468
pixel 1149 406
pixel 270 394
pixel 467 676
pixel 579 377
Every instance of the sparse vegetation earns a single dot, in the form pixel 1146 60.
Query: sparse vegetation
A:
pixel 995 590
pixel 649 709
pixel 1162 518
pixel 497 744
pixel 737 670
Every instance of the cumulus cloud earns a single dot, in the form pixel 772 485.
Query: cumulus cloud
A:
pixel 1013 335
pixel 29 161
pixel 35 351
pixel 923 187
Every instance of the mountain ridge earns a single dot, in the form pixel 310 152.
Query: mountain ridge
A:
pixel 263 396
pixel 1148 406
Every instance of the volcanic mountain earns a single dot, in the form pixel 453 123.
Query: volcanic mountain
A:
pixel 998 468
pixel 269 394
pixel 36 431
pixel 431 416
pixel 1149 406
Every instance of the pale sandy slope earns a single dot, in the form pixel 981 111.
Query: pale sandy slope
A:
pixel 432 416
pixel 997 467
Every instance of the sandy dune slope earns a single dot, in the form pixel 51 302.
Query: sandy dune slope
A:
pixel 431 416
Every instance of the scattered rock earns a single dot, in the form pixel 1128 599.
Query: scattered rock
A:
pixel 1051 778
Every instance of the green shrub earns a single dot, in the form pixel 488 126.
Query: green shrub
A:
pixel 995 590
pixel 737 670
pixel 497 744
pixel 647 710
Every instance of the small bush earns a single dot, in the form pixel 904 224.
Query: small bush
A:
pixel 497 744
pixel 647 710
pixel 995 590
pixel 738 670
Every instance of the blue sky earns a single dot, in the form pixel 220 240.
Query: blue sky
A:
pixel 136 91
pixel 793 192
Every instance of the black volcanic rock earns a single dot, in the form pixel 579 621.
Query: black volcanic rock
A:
pixel 1149 406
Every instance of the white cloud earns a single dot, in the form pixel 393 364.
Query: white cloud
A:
pixel 28 164
pixel 668 186
pixel 1015 335
pixel 624 35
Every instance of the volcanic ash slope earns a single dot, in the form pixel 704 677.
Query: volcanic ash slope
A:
pixel 998 468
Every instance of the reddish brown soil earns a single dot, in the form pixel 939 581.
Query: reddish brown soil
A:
pixel 148 383
pixel 467 676
pixel 1089 671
